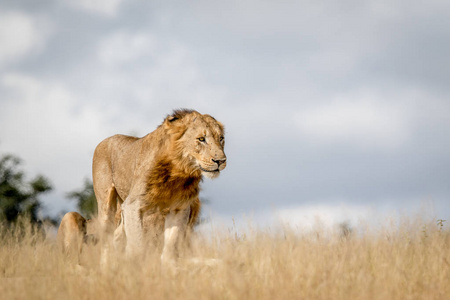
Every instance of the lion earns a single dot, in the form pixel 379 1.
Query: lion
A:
pixel 149 186
pixel 72 234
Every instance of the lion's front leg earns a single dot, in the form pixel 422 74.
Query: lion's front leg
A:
pixel 174 230
pixel 132 227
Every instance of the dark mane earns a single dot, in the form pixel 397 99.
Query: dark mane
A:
pixel 179 114
pixel 166 185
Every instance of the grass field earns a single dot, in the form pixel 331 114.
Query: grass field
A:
pixel 406 261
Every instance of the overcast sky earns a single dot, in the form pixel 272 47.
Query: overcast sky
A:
pixel 339 109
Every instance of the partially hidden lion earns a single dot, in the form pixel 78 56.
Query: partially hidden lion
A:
pixel 72 234
pixel 149 186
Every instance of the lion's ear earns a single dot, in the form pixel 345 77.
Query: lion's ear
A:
pixel 172 118
pixel 179 114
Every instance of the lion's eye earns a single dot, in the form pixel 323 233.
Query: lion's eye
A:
pixel 201 139
pixel 221 138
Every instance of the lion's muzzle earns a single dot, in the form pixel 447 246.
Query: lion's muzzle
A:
pixel 219 161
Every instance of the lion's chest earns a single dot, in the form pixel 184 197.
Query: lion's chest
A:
pixel 166 189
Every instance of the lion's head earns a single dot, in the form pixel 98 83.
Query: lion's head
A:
pixel 198 140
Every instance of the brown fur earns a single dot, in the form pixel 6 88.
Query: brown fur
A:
pixel 71 234
pixel 162 170
pixel 164 186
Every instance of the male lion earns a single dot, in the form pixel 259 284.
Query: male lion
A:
pixel 152 183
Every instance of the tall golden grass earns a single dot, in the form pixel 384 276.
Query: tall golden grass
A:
pixel 406 261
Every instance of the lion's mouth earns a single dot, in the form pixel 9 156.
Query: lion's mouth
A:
pixel 209 171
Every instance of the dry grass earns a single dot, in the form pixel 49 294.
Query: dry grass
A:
pixel 402 262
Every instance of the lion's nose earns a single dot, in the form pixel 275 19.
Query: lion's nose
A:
pixel 219 161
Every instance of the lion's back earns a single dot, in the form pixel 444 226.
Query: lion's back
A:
pixel 71 232
pixel 113 162
pixel 113 144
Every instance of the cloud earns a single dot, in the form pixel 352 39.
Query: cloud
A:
pixel 156 73
pixel 46 126
pixel 43 125
pixel 326 215
pixel 316 90
pixel 122 47
pixel 323 215
pixel 365 121
pixel 107 8
pixel 21 35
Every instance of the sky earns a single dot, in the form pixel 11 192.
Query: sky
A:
pixel 338 110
